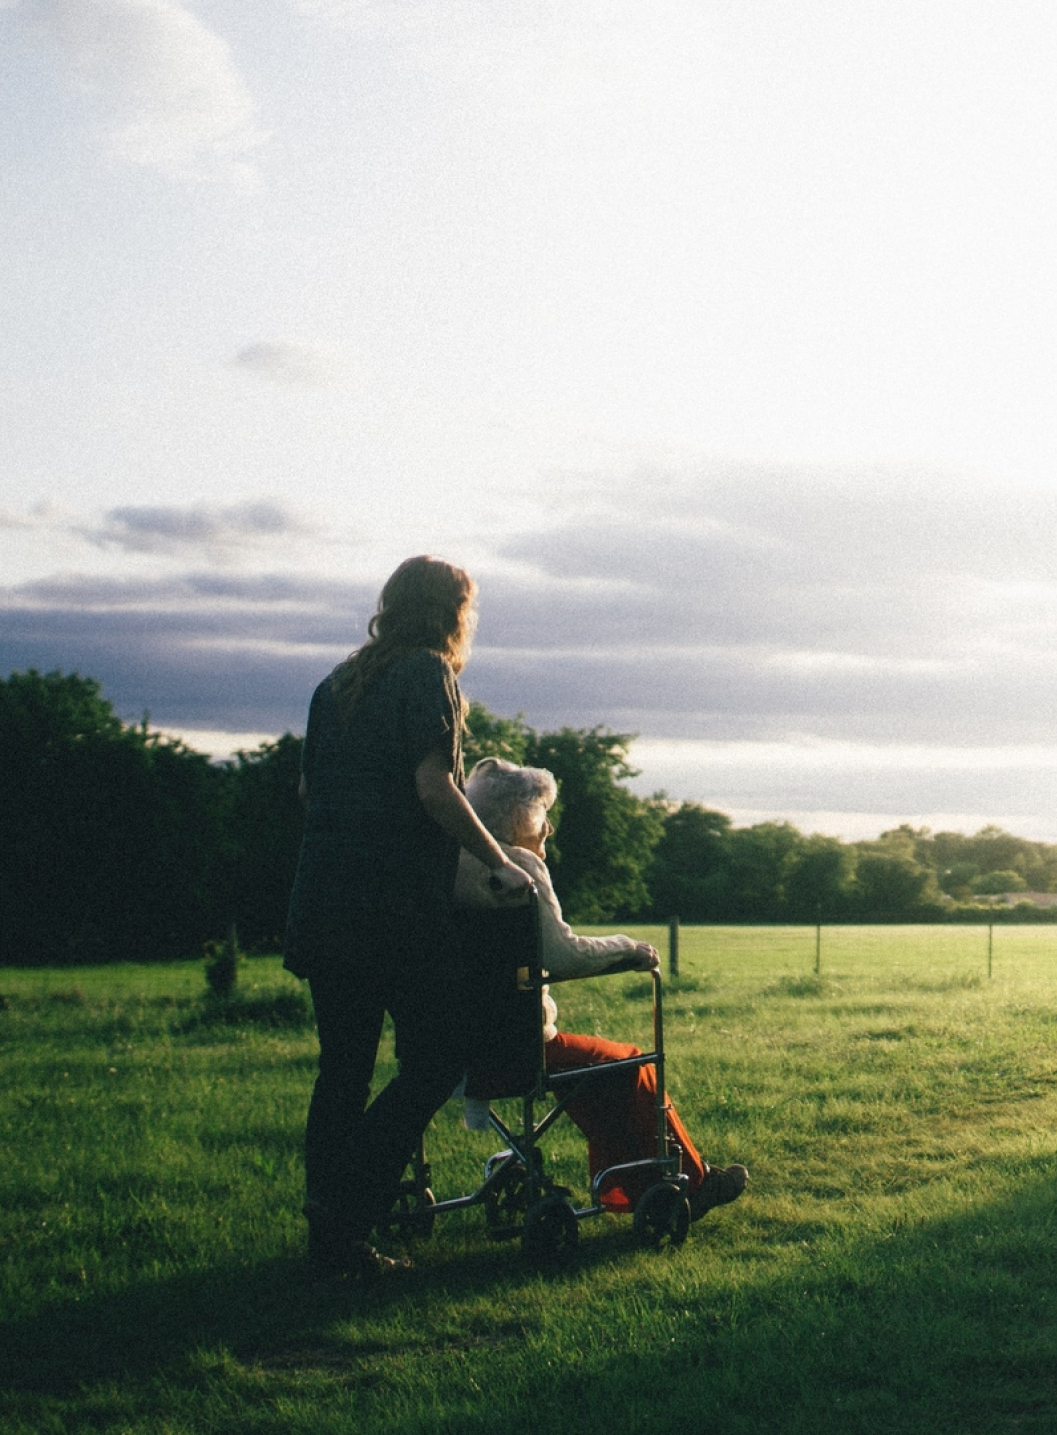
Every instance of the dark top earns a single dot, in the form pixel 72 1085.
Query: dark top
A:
pixel 371 855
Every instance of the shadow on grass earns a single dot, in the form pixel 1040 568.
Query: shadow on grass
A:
pixel 800 986
pixel 285 1010
pixel 946 1324
pixel 941 1325
pixel 259 1312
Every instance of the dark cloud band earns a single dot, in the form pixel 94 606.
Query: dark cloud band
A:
pixel 737 613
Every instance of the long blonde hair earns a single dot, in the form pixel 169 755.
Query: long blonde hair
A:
pixel 426 603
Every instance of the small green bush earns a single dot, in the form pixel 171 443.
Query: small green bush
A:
pixel 222 965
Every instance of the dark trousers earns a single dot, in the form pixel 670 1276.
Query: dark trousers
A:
pixel 355 1152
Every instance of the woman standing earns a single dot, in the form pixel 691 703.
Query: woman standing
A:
pixel 370 916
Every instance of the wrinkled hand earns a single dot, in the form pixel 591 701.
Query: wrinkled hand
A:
pixel 646 958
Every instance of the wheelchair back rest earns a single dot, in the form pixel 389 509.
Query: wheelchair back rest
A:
pixel 504 1004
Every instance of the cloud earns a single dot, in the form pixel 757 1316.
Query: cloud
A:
pixel 944 788
pixel 722 695
pixel 389 14
pixel 175 670
pixel 40 516
pixel 763 605
pixel 171 95
pixel 272 592
pixel 217 531
pixel 741 621
pixel 718 616
pixel 200 650
pixel 206 651
pixel 297 364
pixel 784 562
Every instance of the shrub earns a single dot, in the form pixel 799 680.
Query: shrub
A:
pixel 222 965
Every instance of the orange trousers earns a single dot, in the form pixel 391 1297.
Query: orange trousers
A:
pixel 619 1116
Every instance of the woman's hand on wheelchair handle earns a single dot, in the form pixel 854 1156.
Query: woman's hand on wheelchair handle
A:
pixel 510 880
pixel 647 959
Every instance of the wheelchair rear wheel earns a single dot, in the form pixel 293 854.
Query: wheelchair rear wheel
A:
pixel 505 1202
pixel 662 1216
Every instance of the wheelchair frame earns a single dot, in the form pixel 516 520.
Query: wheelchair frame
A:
pixel 518 1197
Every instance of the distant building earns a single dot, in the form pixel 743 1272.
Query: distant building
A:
pixel 1036 899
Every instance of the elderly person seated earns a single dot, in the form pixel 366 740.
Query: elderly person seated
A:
pixel 618 1118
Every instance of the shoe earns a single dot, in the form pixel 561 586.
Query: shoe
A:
pixel 721 1186
pixel 371 1266
pixel 332 1254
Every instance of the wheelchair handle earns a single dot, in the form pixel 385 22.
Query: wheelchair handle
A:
pixel 496 886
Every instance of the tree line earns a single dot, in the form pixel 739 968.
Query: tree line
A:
pixel 120 844
pixel 707 870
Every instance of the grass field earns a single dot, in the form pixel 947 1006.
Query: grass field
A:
pixel 892 1268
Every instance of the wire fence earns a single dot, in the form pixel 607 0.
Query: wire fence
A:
pixel 942 952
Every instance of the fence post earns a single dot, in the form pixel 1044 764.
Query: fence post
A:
pixel 673 946
pixel 818 942
pixel 990 946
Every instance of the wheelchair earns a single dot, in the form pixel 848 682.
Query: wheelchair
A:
pixel 501 954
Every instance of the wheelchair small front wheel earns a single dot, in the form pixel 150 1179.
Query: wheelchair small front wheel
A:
pixel 662 1217
pixel 551 1230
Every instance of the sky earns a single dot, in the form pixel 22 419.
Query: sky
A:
pixel 717 340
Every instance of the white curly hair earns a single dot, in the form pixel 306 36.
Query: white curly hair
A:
pixel 506 796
